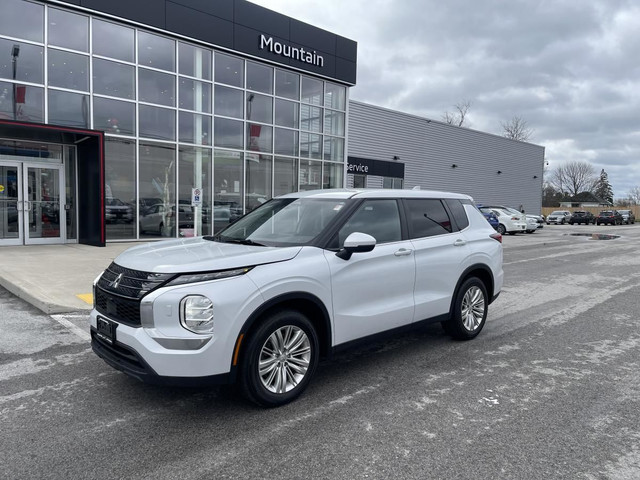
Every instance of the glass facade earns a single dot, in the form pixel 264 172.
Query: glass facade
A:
pixel 176 116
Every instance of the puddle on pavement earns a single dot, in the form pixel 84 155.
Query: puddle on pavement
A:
pixel 595 236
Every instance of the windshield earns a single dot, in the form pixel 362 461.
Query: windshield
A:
pixel 606 213
pixel 283 222
pixel 557 212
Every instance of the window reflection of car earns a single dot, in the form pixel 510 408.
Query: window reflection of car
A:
pixel 160 219
pixel 116 210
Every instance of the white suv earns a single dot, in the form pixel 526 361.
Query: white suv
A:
pixel 296 279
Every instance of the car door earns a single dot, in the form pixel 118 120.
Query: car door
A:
pixel 373 291
pixel 440 250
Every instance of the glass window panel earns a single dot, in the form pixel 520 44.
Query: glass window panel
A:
pixel 156 87
pixel 229 102
pixel 157 200
pixel 334 149
pixel 258 180
pixel 311 91
pixel 114 116
pixel 259 108
pixel 69 30
pixel 310 175
pixel 22 20
pixel 286 142
pixel 194 61
pixel 287 84
pixel 28 106
pixel 285 175
pixel 387 182
pixel 287 113
pixel 228 133
pixel 195 95
pixel 333 122
pixel 120 188
pixel 111 40
pixel 68 70
pixel 157 122
pixel 113 79
pixel 156 51
pixel 259 138
pixel 71 109
pixel 427 217
pixel 228 176
pixel 21 61
pixel 310 145
pixel 335 96
pixel 397 183
pixel 194 171
pixel 378 218
pixel 195 128
pixel 360 181
pixel 259 78
pixel 332 175
pixel 310 118
pixel 229 70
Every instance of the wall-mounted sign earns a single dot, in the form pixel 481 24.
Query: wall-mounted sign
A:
pixel 196 197
pixel 296 53
pixel 381 168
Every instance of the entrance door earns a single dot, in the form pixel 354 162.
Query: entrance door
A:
pixel 31 204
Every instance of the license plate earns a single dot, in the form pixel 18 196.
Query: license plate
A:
pixel 106 330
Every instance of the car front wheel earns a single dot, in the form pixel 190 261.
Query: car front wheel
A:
pixel 279 360
pixel 469 312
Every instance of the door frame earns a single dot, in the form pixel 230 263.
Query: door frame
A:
pixel 19 240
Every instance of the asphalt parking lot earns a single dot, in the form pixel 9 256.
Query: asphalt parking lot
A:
pixel 549 389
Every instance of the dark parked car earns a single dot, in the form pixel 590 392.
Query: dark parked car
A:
pixel 611 217
pixel 491 217
pixel 627 216
pixel 581 216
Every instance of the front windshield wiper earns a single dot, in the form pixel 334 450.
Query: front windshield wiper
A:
pixel 220 238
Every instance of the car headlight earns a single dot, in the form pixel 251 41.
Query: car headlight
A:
pixel 196 314
pixel 207 276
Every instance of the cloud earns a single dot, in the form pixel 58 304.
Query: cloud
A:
pixel 568 68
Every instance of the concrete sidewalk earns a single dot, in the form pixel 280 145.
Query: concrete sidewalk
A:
pixel 56 278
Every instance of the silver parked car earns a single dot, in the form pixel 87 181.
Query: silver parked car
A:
pixel 559 217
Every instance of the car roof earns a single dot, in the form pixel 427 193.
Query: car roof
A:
pixel 347 193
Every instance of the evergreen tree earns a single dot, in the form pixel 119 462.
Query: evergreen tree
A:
pixel 603 188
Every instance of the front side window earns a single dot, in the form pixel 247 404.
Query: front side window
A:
pixel 427 217
pixel 378 218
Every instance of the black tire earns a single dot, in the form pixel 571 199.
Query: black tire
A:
pixel 501 229
pixel 530 231
pixel 562 222
pixel 472 290
pixel 259 390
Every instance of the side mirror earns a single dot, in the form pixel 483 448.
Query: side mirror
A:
pixel 356 243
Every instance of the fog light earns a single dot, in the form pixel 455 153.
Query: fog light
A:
pixel 196 314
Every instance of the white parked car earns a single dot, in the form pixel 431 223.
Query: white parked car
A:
pixel 511 220
pixel 559 217
pixel 294 280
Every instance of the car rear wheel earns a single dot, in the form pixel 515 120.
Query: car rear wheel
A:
pixel 279 360
pixel 470 309
pixel 502 229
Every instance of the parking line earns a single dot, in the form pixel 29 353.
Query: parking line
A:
pixel 60 318
pixel 86 297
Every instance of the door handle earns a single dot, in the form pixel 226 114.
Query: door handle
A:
pixel 20 206
pixel 459 243
pixel 403 252
pixel 27 206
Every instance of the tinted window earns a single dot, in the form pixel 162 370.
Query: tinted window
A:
pixel 427 217
pixel 459 215
pixel 378 218
pixel 111 40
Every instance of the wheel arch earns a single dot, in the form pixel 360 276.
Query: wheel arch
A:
pixel 306 303
pixel 482 272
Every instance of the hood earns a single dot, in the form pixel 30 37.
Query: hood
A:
pixel 198 255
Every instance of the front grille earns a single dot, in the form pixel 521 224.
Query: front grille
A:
pixel 119 291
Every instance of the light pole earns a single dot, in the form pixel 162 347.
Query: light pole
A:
pixel 15 52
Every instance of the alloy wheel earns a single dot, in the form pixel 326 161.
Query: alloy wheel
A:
pixel 473 308
pixel 284 359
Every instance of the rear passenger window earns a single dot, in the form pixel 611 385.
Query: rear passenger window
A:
pixel 459 215
pixel 378 218
pixel 427 217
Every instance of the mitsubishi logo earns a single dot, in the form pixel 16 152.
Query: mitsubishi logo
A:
pixel 114 284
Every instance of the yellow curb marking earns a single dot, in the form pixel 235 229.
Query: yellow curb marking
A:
pixel 86 297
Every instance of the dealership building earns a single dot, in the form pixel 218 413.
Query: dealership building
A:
pixel 126 120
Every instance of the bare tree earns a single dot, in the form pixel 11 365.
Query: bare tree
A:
pixel 634 195
pixel 459 116
pixel 517 129
pixel 573 178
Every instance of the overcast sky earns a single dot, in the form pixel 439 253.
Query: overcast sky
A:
pixel 569 68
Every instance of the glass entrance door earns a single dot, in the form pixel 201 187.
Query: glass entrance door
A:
pixel 31 204
pixel 11 204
